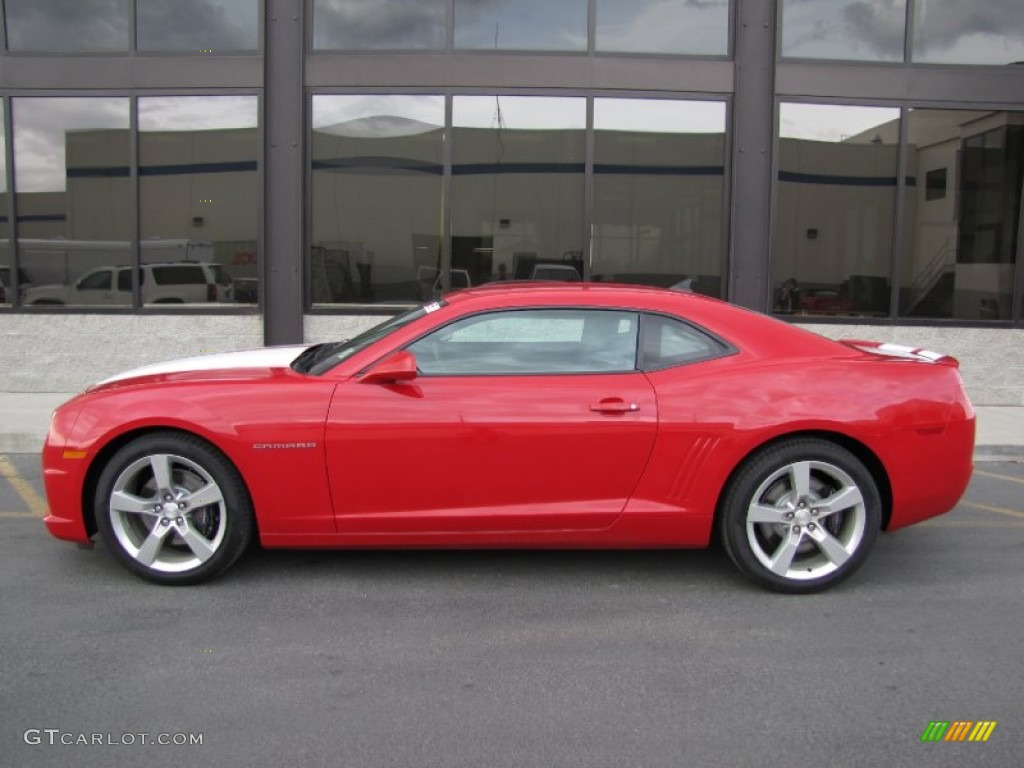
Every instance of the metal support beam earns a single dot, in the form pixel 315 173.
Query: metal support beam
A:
pixel 753 119
pixel 283 219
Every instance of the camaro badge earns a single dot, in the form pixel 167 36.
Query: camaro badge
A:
pixel 281 446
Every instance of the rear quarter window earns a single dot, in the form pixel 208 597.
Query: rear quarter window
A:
pixel 666 342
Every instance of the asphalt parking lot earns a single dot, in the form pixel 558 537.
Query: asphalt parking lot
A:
pixel 492 659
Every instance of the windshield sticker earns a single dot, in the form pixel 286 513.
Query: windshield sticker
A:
pixel 432 307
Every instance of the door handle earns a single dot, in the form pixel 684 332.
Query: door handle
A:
pixel 614 406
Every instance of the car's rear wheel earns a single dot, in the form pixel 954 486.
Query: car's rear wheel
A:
pixel 172 509
pixel 801 515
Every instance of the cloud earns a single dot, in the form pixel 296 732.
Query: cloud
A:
pixel 355 24
pixel 989 32
pixel 40 126
pixel 856 29
pixel 191 25
pixel 664 26
pixel 67 25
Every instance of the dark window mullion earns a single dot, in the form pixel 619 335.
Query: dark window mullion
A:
pixel 133 180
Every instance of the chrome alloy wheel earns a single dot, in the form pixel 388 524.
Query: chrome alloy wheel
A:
pixel 806 520
pixel 168 513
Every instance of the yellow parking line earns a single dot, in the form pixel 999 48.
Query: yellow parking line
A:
pixel 1012 479
pixel 991 508
pixel 23 488
pixel 969 524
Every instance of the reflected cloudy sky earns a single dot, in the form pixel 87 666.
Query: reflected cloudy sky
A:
pixel 197 113
pixel 191 25
pixel 699 27
pixel 830 122
pixel 67 25
pixel 869 30
pixel 521 25
pixel 519 112
pixel 39 128
pixel 362 24
pixel 659 116
pixel 981 32
pixel 377 113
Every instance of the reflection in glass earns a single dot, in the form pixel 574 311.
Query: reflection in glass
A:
pixel 663 26
pixel 961 235
pixel 859 30
pixel 377 192
pixel 198 184
pixel 71 169
pixel 659 169
pixel 836 196
pixel 372 24
pixel 209 26
pixel 955 32
pixel 517 187
pixel 534 25
pixel 68 26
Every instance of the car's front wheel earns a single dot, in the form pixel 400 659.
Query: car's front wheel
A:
pixel 172 509
pixel 801 515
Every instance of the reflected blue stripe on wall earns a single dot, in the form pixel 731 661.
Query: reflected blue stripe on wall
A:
pixel 375 162
pixel 843 181
pixel 110 172
pixel 477 169
pixel 43 217
pixel 660 170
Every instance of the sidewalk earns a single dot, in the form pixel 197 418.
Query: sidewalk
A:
pixel 25 417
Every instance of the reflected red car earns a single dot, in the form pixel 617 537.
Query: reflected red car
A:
pixel 534 416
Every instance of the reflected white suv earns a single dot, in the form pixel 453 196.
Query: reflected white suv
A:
pixel 172 282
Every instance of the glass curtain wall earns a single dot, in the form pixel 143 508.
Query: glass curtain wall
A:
pixel 962 214
pixel 660 26
pixel 835 209
pixel 377 192
pixel 104 26
pixel 517 188
pixel 198 196
pixel 659 193
pixel 944 31
pixel 74 199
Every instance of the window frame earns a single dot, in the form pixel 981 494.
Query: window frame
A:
pixel 533 308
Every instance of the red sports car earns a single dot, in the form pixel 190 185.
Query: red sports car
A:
pixel 546 416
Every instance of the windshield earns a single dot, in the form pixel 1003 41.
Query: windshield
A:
pixel 322 357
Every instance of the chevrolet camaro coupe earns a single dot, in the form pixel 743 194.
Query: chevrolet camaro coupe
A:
pixel 527 416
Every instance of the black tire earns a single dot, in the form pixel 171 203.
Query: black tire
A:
pixel 800 516
pixel 172 509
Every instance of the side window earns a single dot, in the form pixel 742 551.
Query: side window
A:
pixel 666 342
pixel 532 341
pixel 124 280
pixel 97 281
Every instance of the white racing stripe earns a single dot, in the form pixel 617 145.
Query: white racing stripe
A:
pixel 268 357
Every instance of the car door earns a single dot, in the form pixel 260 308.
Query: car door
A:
pixel 520 420
pixel 97 288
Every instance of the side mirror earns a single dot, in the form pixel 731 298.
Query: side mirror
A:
pixel 400 366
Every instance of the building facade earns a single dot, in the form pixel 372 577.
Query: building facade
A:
pixel 183 176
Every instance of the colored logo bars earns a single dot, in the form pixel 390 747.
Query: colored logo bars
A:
pixel 958 730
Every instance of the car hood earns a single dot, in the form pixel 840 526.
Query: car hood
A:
pixel 268 357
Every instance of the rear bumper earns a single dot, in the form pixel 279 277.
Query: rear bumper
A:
pixel 930 471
